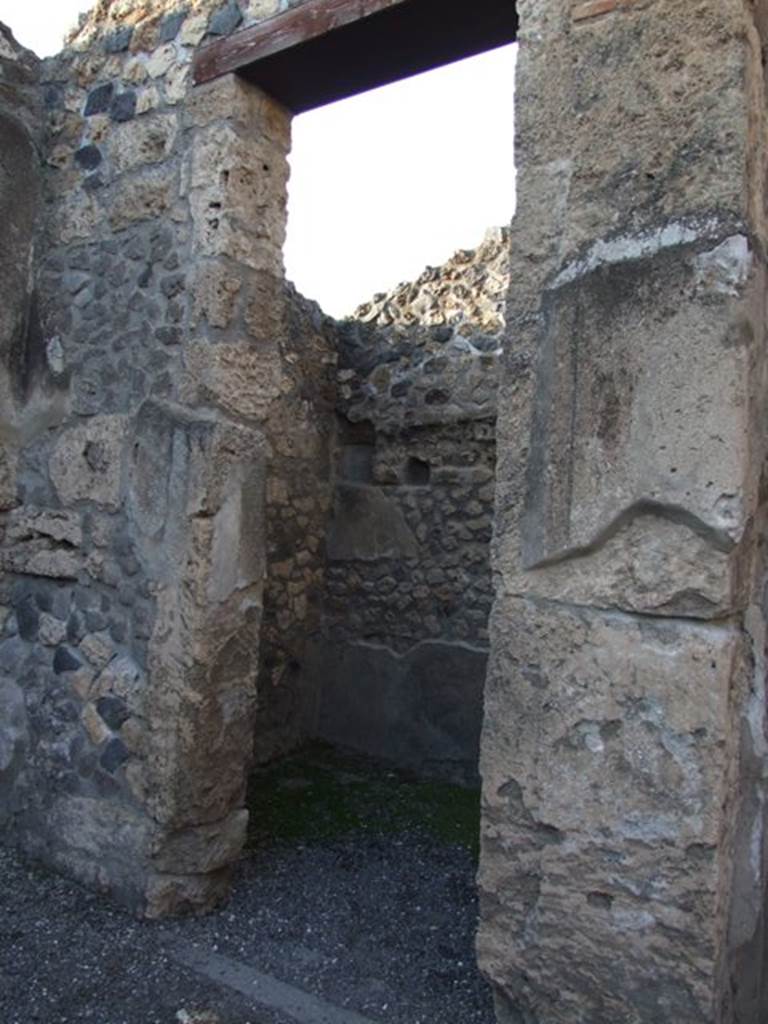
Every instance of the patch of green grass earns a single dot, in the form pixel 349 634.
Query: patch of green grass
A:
pixel 319 793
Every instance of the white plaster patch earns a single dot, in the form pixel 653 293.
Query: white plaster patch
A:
pixel 726 268
pixel 592 739
pixel 728 514
pixel 634 247
pixel 54 352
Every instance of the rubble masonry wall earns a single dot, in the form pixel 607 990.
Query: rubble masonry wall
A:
pixel 157 409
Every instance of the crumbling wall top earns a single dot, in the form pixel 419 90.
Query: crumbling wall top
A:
pixel 19 76
pixel 427 352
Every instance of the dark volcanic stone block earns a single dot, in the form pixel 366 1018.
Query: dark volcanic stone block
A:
pixel 99 99
pixel 225 20
pixel 115 754
pixel 113 711
pixel 170 25
pixel 66 660
pixel 28 618
pixel 123 107
pixel 119 41
pixel 88 157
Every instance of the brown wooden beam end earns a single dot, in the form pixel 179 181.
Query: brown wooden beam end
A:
pixel 309 21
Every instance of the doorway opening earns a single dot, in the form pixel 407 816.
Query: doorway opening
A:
pixel 400 564
pixel 375 635
pixel 375 794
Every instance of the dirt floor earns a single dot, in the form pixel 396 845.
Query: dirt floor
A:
pixel 355 904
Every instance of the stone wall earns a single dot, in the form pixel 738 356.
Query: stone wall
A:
pixel 170 470
pixel 298 508
pixel 167 429
pixel 427 353
pixel 170 392
pixel 623 868
pixel 399 666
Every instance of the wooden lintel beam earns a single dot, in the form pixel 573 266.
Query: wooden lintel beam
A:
pixel 300 25
pixel 327 50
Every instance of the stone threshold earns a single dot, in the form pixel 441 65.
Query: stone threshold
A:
pixel 263 989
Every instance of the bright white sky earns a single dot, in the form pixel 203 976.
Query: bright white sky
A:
pixel 382 184
pixel 40 25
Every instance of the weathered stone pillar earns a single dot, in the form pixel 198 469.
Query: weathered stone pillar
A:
pixel 20 124
pixel 624 751
pixel 198 495
pixel 196 499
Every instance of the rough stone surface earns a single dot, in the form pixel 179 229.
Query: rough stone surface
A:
pixel 664 750
pixel 428 352
pixel 14 741
pixel 403 556
pixel 623 836
pixel 226 522
pixel 85 464
pixel 196 504
pixel 22 364
pixel 135 548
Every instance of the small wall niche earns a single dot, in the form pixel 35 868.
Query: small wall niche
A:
pixel 417 473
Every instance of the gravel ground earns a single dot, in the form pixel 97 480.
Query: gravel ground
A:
pixel 67 955
pixel 378 921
